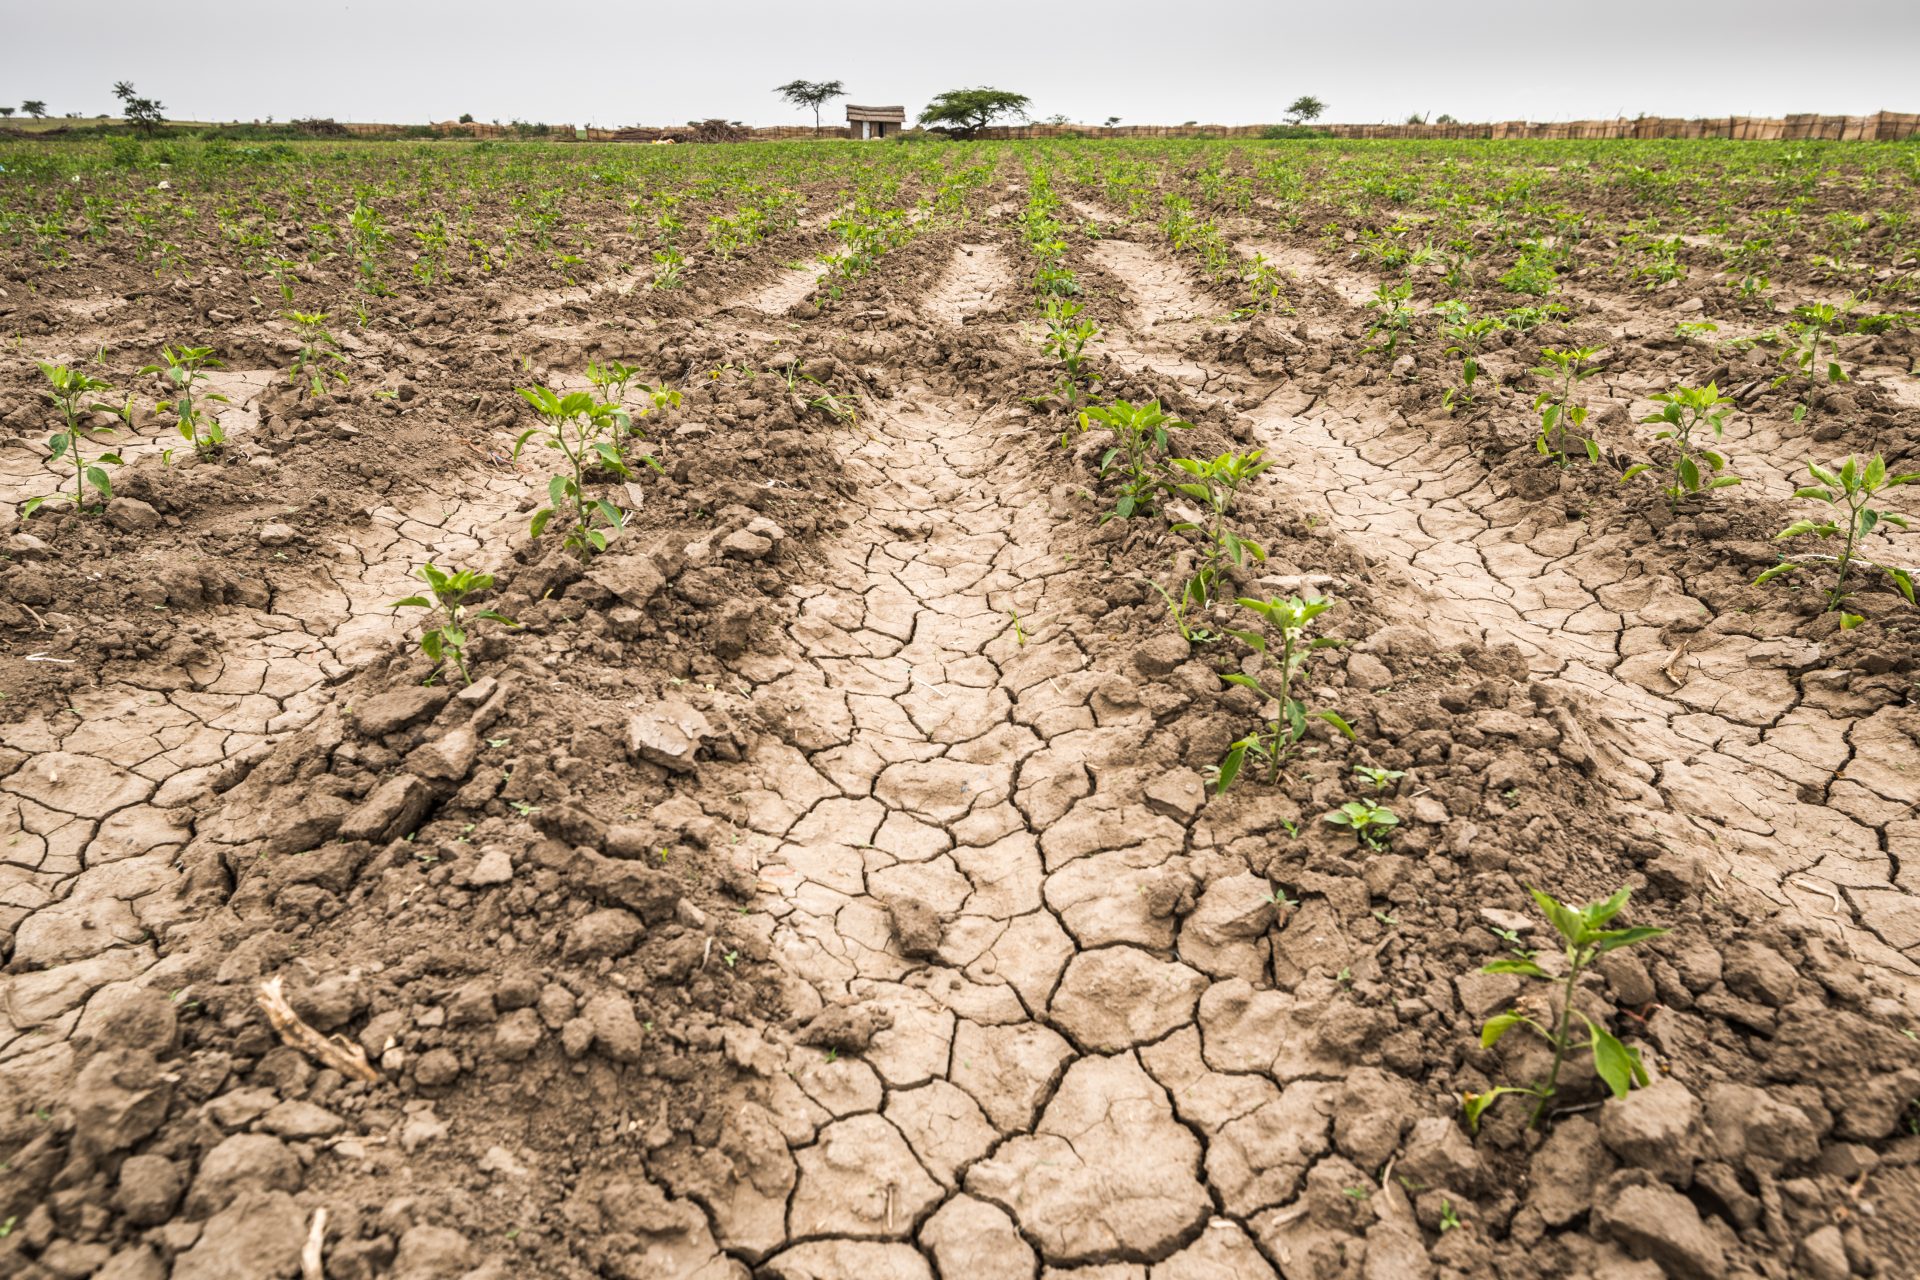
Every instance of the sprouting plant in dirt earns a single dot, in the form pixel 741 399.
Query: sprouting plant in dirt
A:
pixel 1392 317
pixel 1468 336
pixel 1850 491
pixel 1683 411
pixel 1217 482
pixel 70 390
pixel 667 266
pixel 444 639
pixel 1586 936
pixel 1560 411
pixel 1140 433
pixel 186 368
pixel 1287 648
pixel 1068 333
pixel 836 405
pixel 588 434
pixel 1263 281
pixel 1190 605
pixel 1810 356
pixel 321 359
pixel 1380 778
pixel 1373 823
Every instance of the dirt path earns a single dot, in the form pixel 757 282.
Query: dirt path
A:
pixel 1776 783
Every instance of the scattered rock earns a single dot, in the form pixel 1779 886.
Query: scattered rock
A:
pixel 668 734
pixel 244 1162
pixel 257 1237
pixel 130 515
pixel 1653 1221
pixel 1657 1128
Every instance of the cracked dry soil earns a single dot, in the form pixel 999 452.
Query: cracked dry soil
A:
pixel 824 882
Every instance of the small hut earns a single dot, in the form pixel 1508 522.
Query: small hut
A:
pixel 875 122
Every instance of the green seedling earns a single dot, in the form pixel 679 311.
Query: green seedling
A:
pixel 186 368
pixel 1683 411
pixel 322 360
pixel 1217 482
pixel 1810 356
pixel 1847 491
pixel 1371 822
pixel 1191 605
pixel 1469 337
pixel 1068 334
pixel 70 389
pixel 1288 649
pixel 587 433
pixel 1586 937
pixel 1392 317
pixel 1380 778
pixel 1558 409
pixel 445 638
pixel 1140 434
pixel 1263 280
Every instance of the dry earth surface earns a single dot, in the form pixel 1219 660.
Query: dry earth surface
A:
pixel 825 881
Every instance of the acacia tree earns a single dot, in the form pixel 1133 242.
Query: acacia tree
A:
pixel 142 113
pixel 812 93
pixel 35 108
pixel 968 111
pixel 6 113
pixel 1305 107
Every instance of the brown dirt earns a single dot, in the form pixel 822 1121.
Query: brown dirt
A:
pixel 824 884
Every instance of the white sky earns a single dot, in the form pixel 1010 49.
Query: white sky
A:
pixel 1147 61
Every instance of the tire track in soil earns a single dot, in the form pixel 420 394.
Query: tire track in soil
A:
pixel 968 875
pixel 1712 746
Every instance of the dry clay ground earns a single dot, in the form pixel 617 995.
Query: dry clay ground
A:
pixel 823 884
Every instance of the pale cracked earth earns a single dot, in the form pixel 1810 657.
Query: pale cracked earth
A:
pixel 1061 1071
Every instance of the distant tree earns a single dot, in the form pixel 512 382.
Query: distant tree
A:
pixel 35 108
pixel 1304 108
pixel 143 114
pixel 812 94
pixel 1416 118
pixel 968 111
pixel 1058 118
pixel 1444 118
pixel 466 117
pixel 1112 121
pixel 6 113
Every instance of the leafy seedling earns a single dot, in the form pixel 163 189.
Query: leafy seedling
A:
pixel 1559 411
pixel 186 368
pixel 1810 356
pixel 1288 649
pixel 69 390
pixel 1683 411
pixel 1371 822
pixel 1380 778
pixel 587 433
pixel 445 638
pixel 1140 434
pixel 1586 937
pixel 1848 491
pixel 321 360
pixel 1217 483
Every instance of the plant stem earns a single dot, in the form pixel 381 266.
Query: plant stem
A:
pixel 1575 962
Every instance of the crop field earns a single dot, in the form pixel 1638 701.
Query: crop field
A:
pixel 1141 710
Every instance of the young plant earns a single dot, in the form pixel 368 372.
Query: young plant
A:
pixel 1216 482
pixel 69 390
pixel 1380 778
pixel 321 359
pixel 1392 316
pixel 588 433
pixel 1586 936
pixel 1558 409
pixel 1683 411
pixel 1288 650
pixel 1468 338
pixel 1140 435
pixel 1810 356
pixel 1068 334
pixel 1191 605
pixel 186 368
pixel 1848 491
pixel 445 638
pixel 1373 823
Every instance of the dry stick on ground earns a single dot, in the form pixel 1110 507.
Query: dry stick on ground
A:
pixel 311 1268
pixel 330 1051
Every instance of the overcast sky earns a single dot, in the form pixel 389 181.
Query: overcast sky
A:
pixel 1147 61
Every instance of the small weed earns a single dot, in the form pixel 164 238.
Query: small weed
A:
pixel 1380 778
pixel 321 360
pixel 1371 822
